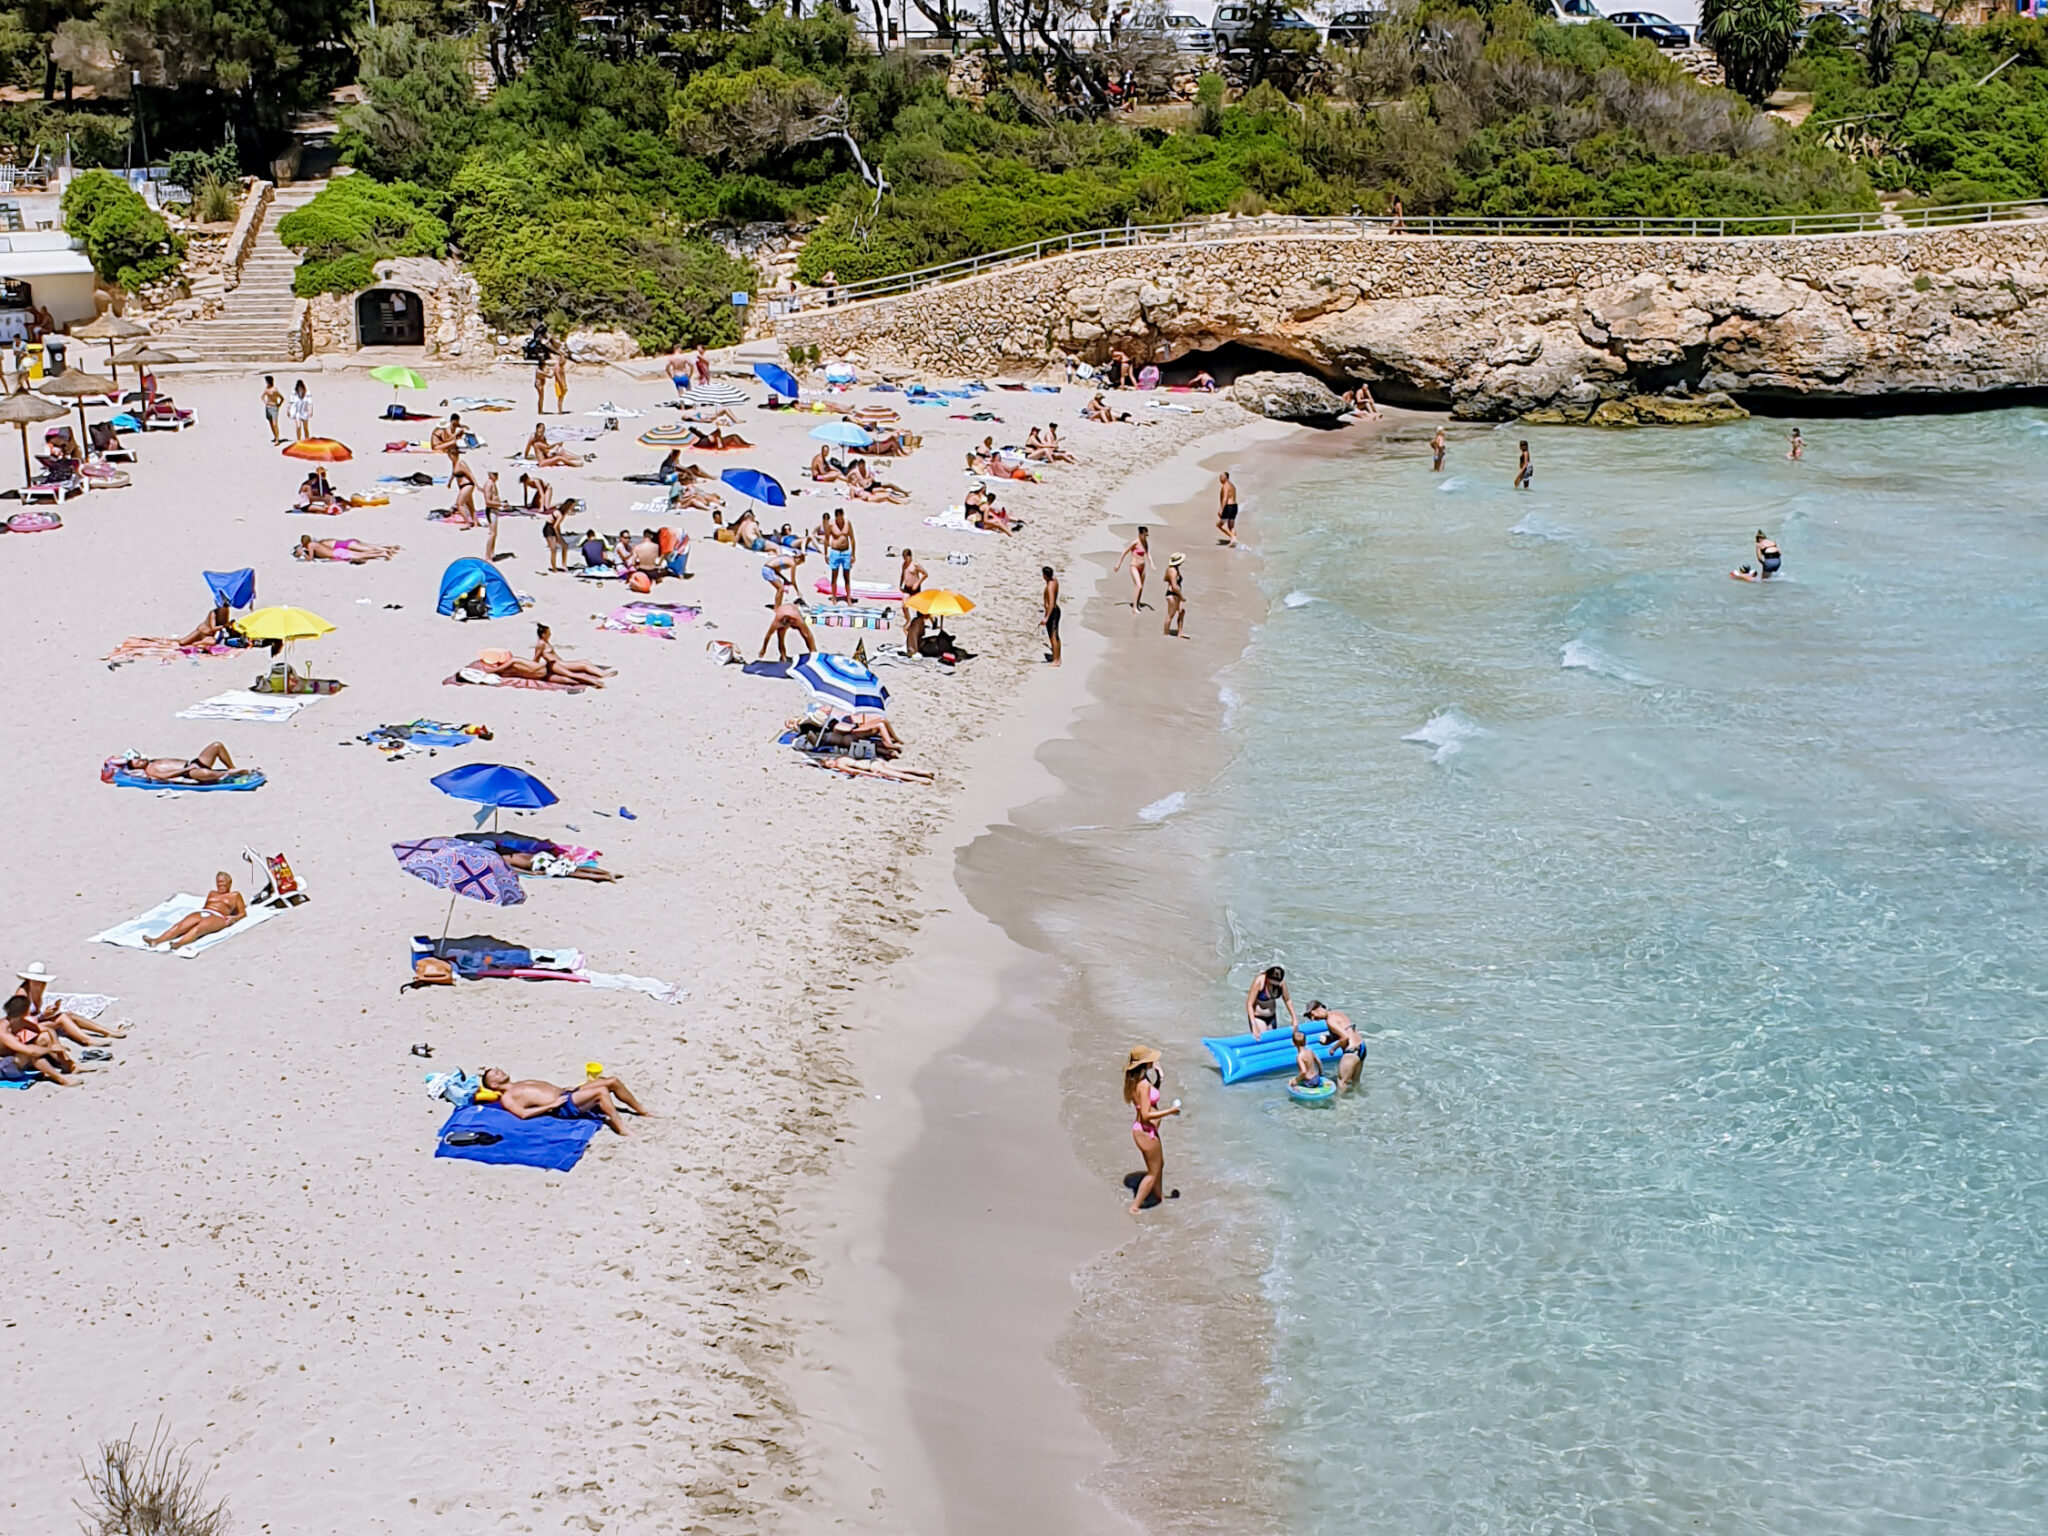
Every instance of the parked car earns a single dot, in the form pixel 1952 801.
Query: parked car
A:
pixel 1232 25
pixel 1349 29
pixel 1573 13
pixel 1188 34
pixel 1652 27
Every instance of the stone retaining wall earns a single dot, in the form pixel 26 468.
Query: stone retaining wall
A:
pixel 1496 327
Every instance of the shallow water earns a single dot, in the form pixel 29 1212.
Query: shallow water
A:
pixel 1698 1179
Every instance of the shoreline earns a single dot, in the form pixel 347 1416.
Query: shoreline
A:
pixel 946 1389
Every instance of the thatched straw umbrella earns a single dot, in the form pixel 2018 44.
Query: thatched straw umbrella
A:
pixel 77 385
pixel 23 410
pixel 111 328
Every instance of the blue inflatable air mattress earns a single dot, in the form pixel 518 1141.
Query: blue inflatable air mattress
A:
pixel 1241 1057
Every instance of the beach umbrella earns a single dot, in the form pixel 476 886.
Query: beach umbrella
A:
pixel 496 785
pixel 778 379
pixel 938 603
pixel 716 393
pixel 235 588
pixel 149 355
pixel 753 483
pixel 398 376
pixel 110 328
pixel 461 869
pixel 284 623
pixel 77 386
pixel 846 434
pixel 320 450
pixel 22 409
pixel 841 680
pixel 671 436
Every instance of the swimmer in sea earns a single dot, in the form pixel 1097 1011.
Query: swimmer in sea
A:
pixel 1798 448
pixel 1525 471
pixel 1436 448
pixel 1308 1071
pixel 1262 1002
pixel 1768 556
pixel 1340 1031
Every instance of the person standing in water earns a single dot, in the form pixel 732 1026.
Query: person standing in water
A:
pixel 1176 598
pixel 1262 1003
pixel 1798 448
pixel 1050 623
pixel 1341 1032
pixel 1525 471
pixel 1226 509
pixel 1768 556
pixel 1436 448
pixel 1139 553
pixel 1141 1092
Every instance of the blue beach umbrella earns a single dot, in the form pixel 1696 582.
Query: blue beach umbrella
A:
pixel 777 379
pixel 753 483
pixel 235 588
pixel 496 785
pixel 841 680
pixel 847 434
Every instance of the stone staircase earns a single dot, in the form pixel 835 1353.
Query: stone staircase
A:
pixel 255 322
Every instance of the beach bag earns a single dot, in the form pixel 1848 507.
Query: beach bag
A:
pixel 640 581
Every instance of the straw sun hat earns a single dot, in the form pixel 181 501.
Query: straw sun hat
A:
pixel 1141 1056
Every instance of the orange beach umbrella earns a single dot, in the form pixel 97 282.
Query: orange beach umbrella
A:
pixel 321 450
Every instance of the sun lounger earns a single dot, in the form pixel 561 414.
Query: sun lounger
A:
pixel 129 935
pixel 247 778
pixel 484 1133
pixel 53 491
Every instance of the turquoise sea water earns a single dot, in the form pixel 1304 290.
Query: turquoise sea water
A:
pixel 1699 1179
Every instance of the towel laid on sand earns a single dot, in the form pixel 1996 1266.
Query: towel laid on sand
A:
pixel 167 650
pixel 241 705
pixel 546 1141
pixel 246 778
pixel 129 935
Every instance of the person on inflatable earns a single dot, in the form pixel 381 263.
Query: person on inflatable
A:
pixel 1308 1071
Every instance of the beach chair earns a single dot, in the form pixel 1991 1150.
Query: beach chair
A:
pixel 55 490
pixel 106 445
pixel 272 878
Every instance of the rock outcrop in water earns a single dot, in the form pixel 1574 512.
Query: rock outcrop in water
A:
pixel 1288 397
pixel 1498 328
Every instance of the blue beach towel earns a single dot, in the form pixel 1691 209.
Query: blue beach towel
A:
pixel 545 1142
pixel 248 778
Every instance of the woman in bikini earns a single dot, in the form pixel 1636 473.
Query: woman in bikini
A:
pixel 543 454
pixel 582 674
pixel 1262 1002
pixel 224 908
pixel 1141 1092
pixel 353 551
pixel 463 514
pixel 218 628
pixel 551 530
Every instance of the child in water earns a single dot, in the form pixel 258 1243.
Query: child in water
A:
pixel 1308 1070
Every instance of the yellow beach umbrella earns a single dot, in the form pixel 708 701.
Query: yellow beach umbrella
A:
pixel 284 623
pixel 938 603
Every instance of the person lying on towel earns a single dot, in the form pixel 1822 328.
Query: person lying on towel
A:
pixel 531 1098
pixel 211 766
pixel 224 908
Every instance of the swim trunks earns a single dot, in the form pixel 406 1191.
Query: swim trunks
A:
pixel 839 559
pixel 1052 620
pixel 1230 515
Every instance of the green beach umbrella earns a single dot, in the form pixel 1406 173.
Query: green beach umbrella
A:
pixel 398 376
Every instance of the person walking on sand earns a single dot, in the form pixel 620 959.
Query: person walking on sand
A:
pixel 1798 448
pixel 273 402
pixel 1226 509
pixel 1176 598
pixel 1141 1092
pixel 1263 1001
pixel 678 369
pixel 299 412
pixel 702 365
pixel 1525 471
pixel 1436 449
pixel 1139 553
pixel 840 549
pixel 561 375
pixel 1050 622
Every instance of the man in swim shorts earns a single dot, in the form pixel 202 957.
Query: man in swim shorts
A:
pixel 211 766
pixel 840 549
pixel 1051 620
pixel 530 1098
pixel 1340 1031
pixel 1226 509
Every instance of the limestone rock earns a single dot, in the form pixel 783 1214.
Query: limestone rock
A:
pixel 1288 396
pixel 602 346
pixel 1666 411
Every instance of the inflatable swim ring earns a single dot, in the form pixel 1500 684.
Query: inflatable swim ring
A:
pixel 1324 1090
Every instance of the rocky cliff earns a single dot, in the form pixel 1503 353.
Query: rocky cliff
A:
pixel 1501 327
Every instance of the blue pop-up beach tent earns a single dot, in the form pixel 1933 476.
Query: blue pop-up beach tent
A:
pixel 469 573
pixel 235 588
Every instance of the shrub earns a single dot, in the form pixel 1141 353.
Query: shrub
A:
pixel 192 168
pixel 357 222
pixel 127 241
pixel 149 1490
pixel 214 201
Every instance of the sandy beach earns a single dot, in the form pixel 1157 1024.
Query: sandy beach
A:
pixel 237 1227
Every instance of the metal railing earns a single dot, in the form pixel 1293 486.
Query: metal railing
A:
pixel 1200 232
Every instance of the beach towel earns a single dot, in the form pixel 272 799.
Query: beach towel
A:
pixel 547 1141
pixel 129 935
pixel 481 403
pixel 953 520
pixel 863 591
pixel 657 619
pixel 246 778
pixel 238 705
pixel 165 649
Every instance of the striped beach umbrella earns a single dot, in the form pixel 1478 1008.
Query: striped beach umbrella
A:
pixel 841 680
pixel 671 436
pixel 717 392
